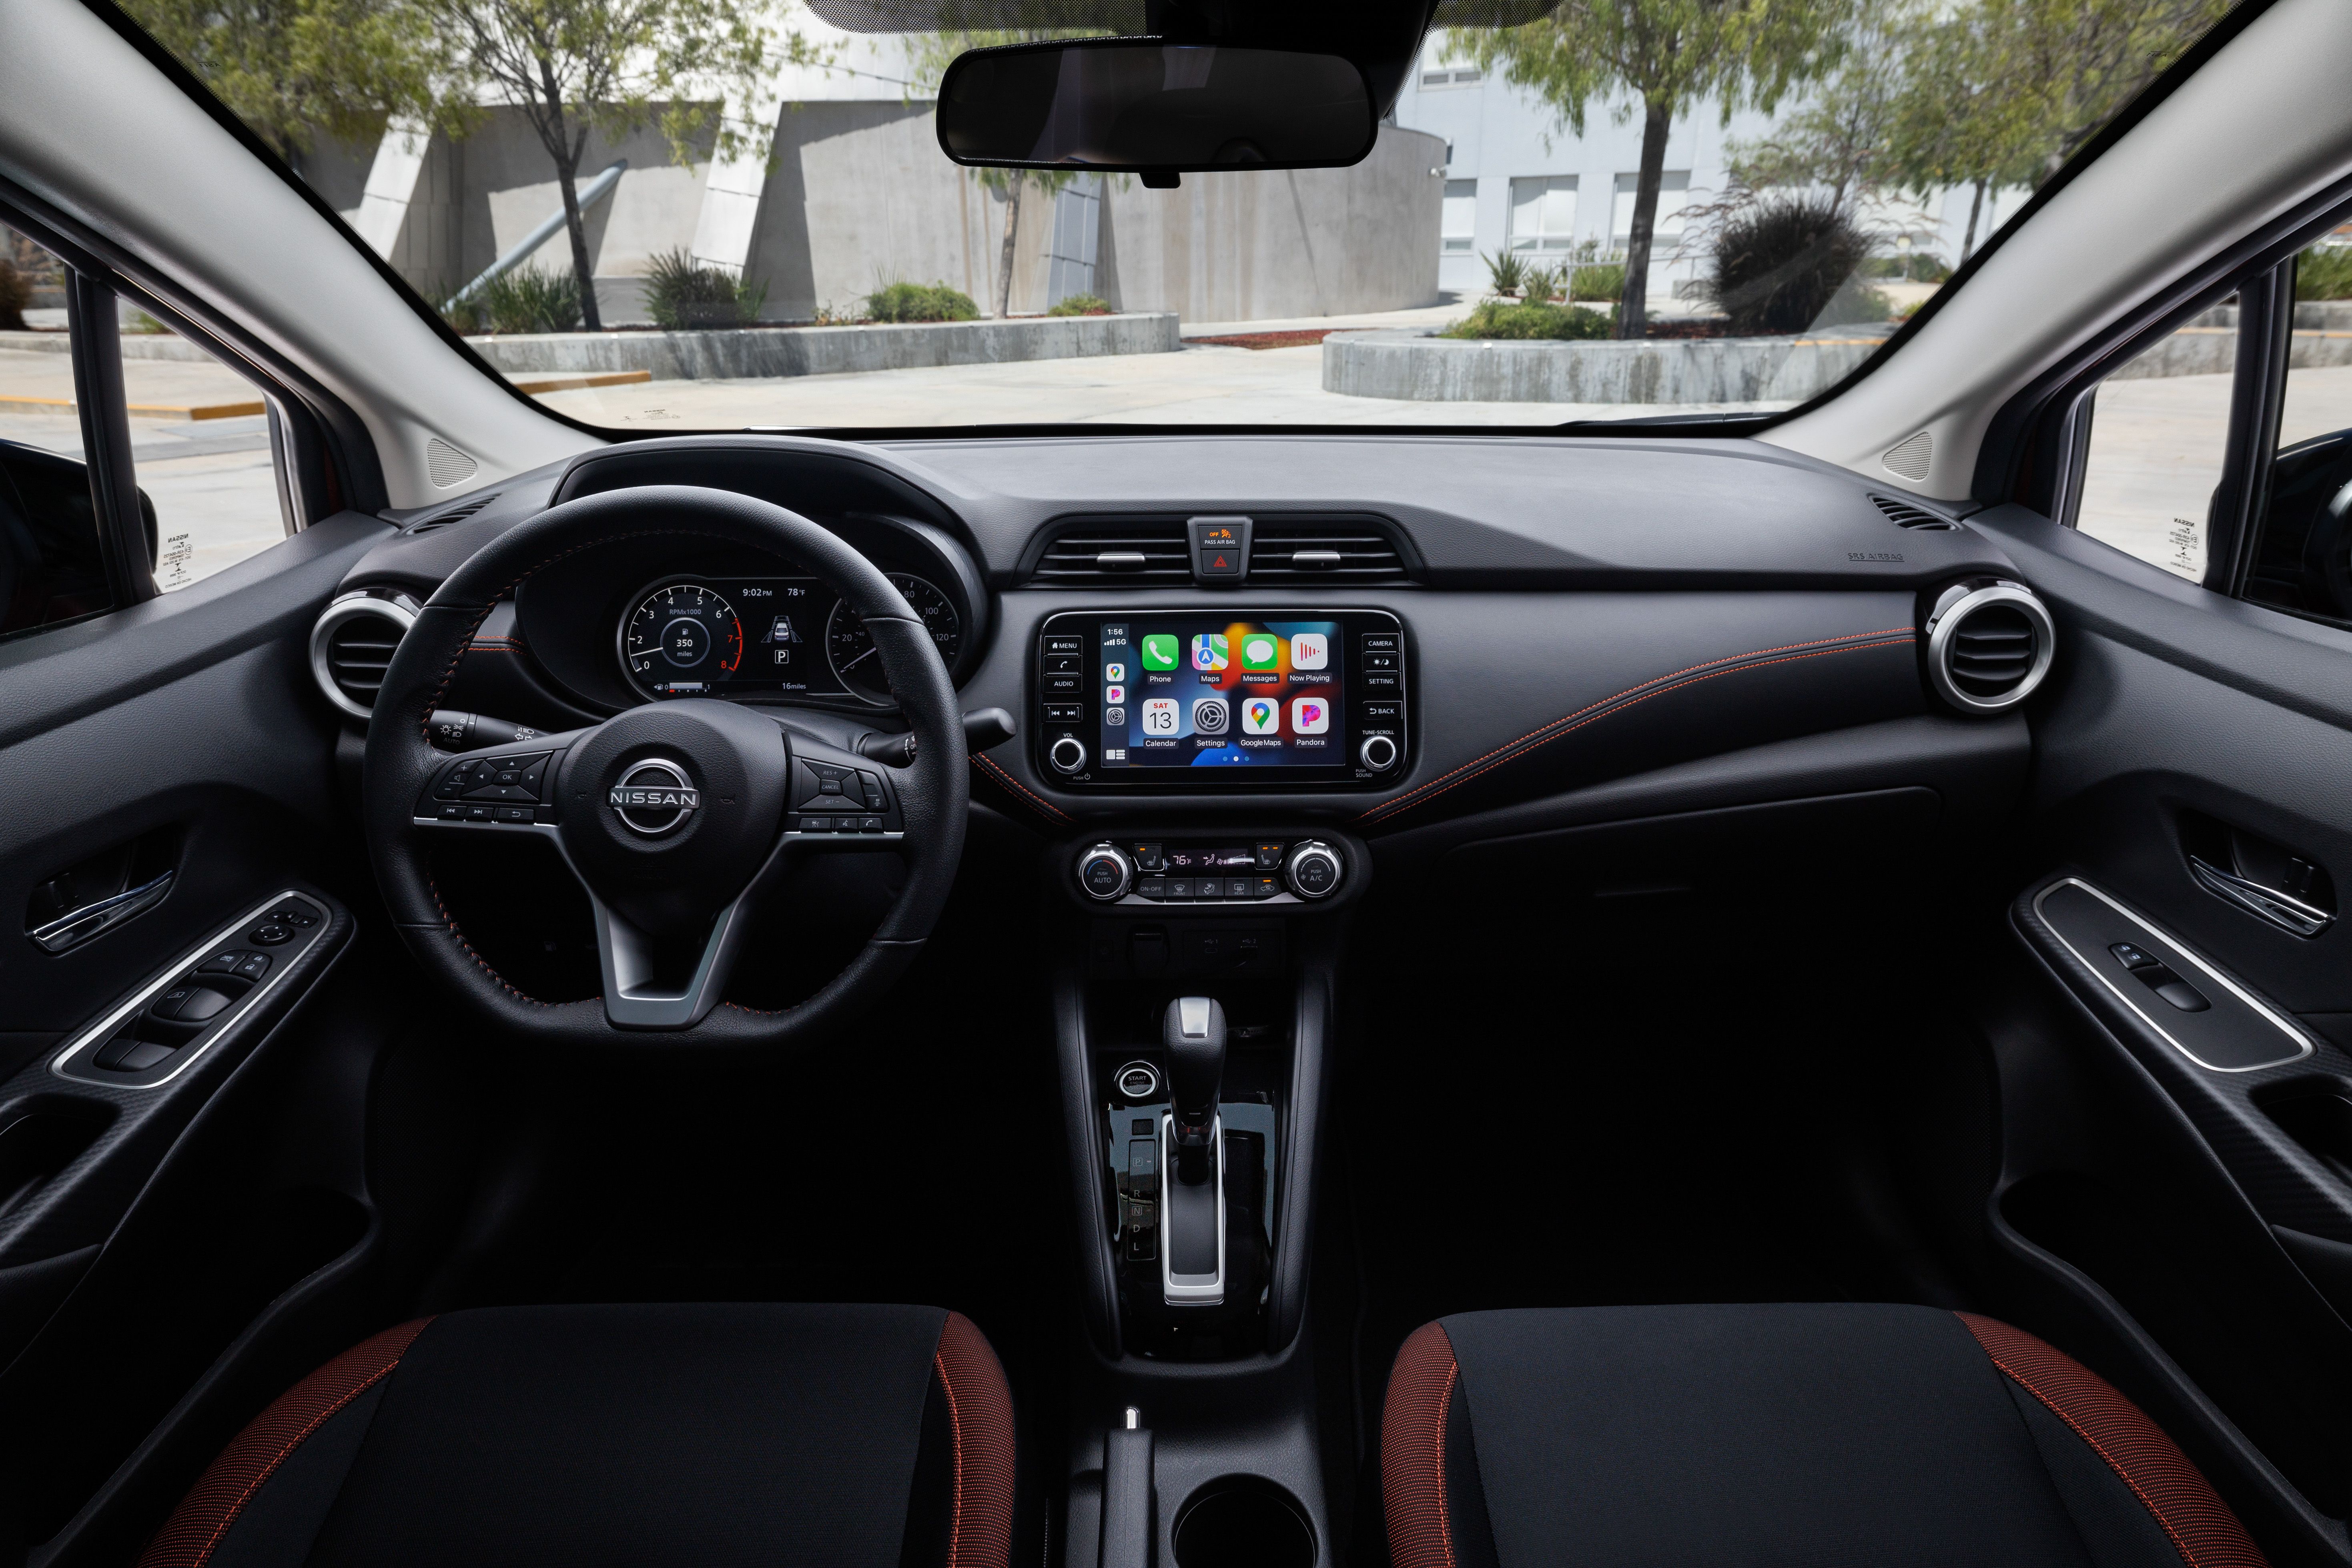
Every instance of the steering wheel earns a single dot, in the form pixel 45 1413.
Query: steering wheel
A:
pixel 674 815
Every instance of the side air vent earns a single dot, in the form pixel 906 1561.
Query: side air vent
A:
pixel 351 645
pixel 1145 551
pixel 1990 644
pixel 1337 549
pixel 465 509
pixel 1903 514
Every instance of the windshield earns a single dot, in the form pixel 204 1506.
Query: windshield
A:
pixel 719 214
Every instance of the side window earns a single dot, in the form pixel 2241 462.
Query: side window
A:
pixel 197 436
pixel 2302 558
pixel 52 567
pixel 2159 433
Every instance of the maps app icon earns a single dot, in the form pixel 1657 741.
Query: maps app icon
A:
pixel 1209 650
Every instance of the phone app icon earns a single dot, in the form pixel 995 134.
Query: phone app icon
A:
pixel 1114 673
pixel 1209 716
pixel 1260 651
pixel 1309 650
pixel 1159 651
pixel 1261 716
pixel 1114 693
pixel 1159 716
pixel 1209 650
pixel 1310 715
pixel 1115 717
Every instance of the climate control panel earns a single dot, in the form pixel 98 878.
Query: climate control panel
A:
pixel 1266 869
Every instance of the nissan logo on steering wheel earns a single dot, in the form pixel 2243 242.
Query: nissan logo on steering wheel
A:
pixel 654 797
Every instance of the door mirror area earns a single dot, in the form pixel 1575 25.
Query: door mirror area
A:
pixel 1141 106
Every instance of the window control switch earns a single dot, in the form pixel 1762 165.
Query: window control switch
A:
pixel 2135 958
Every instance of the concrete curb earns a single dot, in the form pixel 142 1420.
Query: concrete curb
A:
pixel 135 345
pixel 1421 368
pixel 754 353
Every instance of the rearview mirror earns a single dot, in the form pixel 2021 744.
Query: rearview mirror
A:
pixel 1141 106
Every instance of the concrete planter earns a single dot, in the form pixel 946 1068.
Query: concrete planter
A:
pixel 135 345
pixel 752 352
pixel 1421 368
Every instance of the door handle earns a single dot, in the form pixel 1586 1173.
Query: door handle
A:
pixel 2284 910
pixel 74 929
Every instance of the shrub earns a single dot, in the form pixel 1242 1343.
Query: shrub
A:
pixel 1081 305
pixel 16 293
pixel 1542 287
pixel 1604 280
pixel 1779 264
pixel 529 299
pixel 1505 272
pixel 920 302
pixel 1857 301
pixel 1494 319
pixel 2323 274
pixel 682 294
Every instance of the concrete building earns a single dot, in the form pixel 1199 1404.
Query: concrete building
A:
pixel 856 194
pixel 1518 179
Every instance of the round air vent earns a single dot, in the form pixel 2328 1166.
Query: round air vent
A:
pixel 351 645
pixel 1989 643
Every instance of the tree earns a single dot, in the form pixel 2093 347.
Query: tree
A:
pixel 1841 139
pixel 1668 57
pixel 2002 93
pixel 293 68
pixel 614 66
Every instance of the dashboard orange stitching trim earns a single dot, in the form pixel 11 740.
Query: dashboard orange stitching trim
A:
pixel 1593 712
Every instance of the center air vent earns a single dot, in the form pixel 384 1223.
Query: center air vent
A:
pixel 1903 514
pixel 1143 551
pixel 1990 644
pixel 351 645
pixel 1335 549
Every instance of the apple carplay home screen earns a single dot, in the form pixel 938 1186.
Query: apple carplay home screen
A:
pixel 1205 691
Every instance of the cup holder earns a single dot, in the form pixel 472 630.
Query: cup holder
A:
pixel 1243 1521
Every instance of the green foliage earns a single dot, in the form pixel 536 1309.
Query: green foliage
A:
pixel 1543 285
pixel 16 293
pixel 1496 319
pixel 529 299
pixel 1597 281
pixel 1914 266
pixel 294 68
pixel 144 325
pixel 1081 305
pixel 1505 271
pixel 2323 274
pixel 683 294
pixel 1779 265
pixel 919 302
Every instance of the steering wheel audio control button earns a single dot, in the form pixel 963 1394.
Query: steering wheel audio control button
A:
pixel 1068 754
pixel 1106 873
pixel 1314 869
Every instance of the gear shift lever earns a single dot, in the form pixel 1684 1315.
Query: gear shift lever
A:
pixel 1193 1035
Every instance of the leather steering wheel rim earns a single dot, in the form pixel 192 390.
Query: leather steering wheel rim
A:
pixel 932 793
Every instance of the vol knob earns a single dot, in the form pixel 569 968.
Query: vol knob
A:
pixel 1068 754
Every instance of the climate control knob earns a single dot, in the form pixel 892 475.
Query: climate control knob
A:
pixel 1314 869
pixel 1378 753
pixel 1106 873
pixel 1068 754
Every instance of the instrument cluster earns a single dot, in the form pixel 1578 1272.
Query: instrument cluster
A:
pixel 783 636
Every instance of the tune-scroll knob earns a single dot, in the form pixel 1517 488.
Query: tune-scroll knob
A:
pixel 1378 753
pixel 1314 869
pixel 1068 754
pixel 1106 873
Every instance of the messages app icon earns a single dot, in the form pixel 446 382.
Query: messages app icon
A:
pixel 1258 651
pixel 1159 651
pixel 1261 716
pixel 1209 650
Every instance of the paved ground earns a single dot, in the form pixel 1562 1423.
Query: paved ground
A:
pixel 2155 443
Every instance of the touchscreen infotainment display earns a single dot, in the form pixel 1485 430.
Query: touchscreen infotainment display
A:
pixel 1200 691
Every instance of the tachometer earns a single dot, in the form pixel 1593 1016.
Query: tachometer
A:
pixel 681 640
pixel 850 646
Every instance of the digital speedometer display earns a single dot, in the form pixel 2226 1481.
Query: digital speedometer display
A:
pixel 749 637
